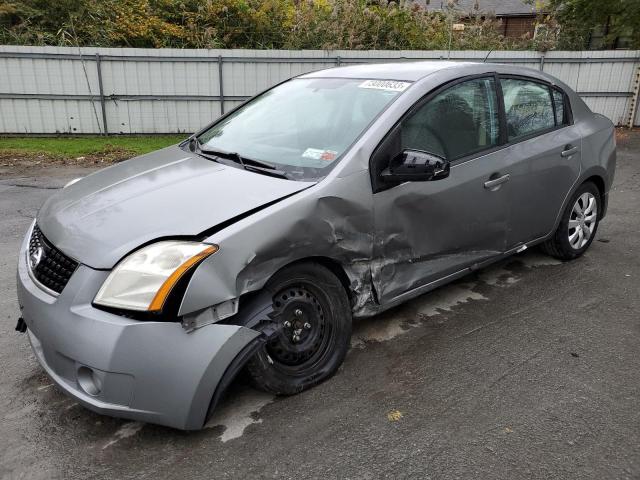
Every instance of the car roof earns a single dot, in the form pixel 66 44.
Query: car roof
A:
pixel 444 71
pixel 402 70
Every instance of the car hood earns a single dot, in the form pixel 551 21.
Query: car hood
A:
pixel 168 193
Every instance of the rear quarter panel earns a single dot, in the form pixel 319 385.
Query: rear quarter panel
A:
pixel 598 155
pixel 598 148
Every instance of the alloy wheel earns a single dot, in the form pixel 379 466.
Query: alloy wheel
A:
pixel 582 221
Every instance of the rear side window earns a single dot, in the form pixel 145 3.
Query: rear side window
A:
pixel 558 100
pixel 528 107
pixel 456 122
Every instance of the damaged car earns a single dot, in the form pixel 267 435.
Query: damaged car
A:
pixel 146 287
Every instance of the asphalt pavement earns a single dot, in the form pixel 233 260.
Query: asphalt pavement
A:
pixel 529 369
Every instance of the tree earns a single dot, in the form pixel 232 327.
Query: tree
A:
pixel 580 19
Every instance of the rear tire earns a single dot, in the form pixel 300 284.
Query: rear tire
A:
pixel 312 319
pixel 578 224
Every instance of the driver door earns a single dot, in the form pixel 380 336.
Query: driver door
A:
pixel 427 230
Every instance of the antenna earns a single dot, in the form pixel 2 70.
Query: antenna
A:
pixel 485 58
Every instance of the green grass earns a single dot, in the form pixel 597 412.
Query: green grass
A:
pixel 73 147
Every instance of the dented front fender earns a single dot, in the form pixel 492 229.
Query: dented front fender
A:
pixel 332 219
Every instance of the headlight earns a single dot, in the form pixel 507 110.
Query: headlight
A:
pixel 144 279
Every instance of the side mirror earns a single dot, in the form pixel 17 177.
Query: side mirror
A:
pixel 416 166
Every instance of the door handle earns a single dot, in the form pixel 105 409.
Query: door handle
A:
pixel 568 150
pixel 490 184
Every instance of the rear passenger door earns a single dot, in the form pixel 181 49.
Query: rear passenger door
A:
pixel 543 149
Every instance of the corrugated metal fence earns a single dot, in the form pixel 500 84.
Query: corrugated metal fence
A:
pixel 114 90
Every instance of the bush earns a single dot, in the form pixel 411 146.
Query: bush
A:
pixel 292 24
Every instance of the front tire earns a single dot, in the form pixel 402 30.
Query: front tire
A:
pixel 312 332
pixel 578 224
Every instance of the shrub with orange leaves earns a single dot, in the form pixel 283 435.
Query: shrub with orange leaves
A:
pixel 261 24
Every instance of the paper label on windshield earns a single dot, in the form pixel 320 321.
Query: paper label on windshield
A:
pixel 388 85
pixel 318 154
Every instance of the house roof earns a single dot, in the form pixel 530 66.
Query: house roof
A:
pixel 497 7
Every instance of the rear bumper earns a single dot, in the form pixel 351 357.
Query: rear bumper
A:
pixel 148 371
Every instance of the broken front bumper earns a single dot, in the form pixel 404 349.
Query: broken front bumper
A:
pixel 149 371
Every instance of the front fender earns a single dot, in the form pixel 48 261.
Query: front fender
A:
pixel 332 219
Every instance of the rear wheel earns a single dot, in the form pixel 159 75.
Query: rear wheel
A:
pixel 312 320
pixel 578 225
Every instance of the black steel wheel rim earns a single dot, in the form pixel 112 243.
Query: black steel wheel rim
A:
pixel 305 333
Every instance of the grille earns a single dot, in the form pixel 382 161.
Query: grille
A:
pixel 49 266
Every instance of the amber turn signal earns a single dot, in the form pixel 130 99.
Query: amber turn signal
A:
pixel 164 291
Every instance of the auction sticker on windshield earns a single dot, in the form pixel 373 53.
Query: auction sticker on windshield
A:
pixel 389 85
pixel 318 154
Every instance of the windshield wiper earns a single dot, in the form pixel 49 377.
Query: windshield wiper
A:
pixel 267 171
pixel 248 164
pixel 196 147
pixel 236 157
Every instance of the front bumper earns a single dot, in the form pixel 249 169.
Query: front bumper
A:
pixel 149 371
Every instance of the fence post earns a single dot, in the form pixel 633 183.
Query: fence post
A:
pixel 220 84
pixel 105 130
pixel 542 62
pixel 634 99
pixel 338 61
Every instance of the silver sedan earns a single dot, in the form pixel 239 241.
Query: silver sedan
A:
pixel 147 286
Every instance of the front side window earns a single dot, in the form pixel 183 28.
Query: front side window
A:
pixel 527 106
pixel 303 126
pixel 457 122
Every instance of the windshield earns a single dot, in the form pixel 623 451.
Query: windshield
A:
pixel 303 126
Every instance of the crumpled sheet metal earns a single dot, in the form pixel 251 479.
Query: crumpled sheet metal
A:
pixel 331 220
pixel 337 220
pixel 427 230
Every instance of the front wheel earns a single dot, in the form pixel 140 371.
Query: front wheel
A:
pixel 312 331
pixel 578 225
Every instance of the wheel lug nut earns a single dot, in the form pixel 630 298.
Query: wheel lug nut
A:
pixel 307 325
pixel 298 312
pixel 296 338
pixel 287 324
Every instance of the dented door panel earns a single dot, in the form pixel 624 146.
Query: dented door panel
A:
pixel 427 230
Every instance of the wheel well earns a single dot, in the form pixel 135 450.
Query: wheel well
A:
pixel 599 183
pixel 334 267
pixel 337 269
